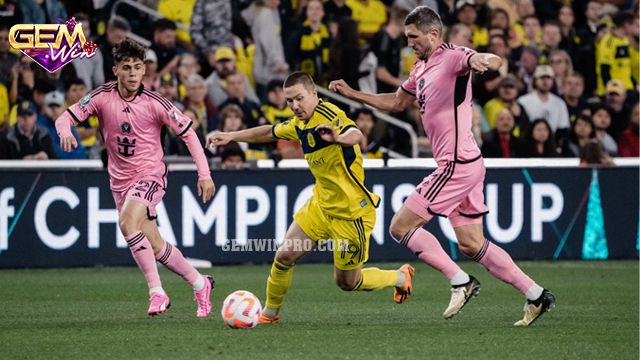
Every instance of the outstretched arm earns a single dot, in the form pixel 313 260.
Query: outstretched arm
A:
pixel 394 102
pixel 258 134
pixel 482 62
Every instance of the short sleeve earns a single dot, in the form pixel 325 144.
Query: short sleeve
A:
pixel 286 130
pixel 458 59
pixel 409 85
pixel 342 124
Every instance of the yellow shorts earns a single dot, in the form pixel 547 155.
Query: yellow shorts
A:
pixel 350 238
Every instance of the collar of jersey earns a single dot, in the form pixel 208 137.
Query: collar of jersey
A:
pixel 140 90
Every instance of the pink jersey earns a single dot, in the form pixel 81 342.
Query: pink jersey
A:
pixel 442 86
pixel 131 131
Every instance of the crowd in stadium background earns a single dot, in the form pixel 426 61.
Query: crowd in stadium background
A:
pixel 568 85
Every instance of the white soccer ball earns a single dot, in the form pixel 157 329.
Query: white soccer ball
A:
pixel 241 309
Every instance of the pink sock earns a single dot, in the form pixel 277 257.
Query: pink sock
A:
pixel 428 249
pixel 173 259
pixel 500 265
pixel 143 255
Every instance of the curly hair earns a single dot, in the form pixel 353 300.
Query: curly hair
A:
pixel 128 48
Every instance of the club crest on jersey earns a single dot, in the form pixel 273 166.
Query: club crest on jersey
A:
pixel 85 100
pixel 421 84
pixel 125 127
pixel 311 140
pixel 337 123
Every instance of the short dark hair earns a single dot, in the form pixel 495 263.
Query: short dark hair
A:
pixel 82 17
pixel 299 77
pixel 555 23
pixel 363 111
pixel 164 24
pixel 43 86
pixel 424 18
pixel 622 18
pixel 73 81
pixel 128 48
pixel 230 151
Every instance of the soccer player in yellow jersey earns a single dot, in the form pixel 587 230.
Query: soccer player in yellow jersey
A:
pixel 341 209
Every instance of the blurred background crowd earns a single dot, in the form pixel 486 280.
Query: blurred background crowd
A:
pixel 568 86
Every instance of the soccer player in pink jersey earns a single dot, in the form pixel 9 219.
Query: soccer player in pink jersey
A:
pixel 441 83
pixel 130 120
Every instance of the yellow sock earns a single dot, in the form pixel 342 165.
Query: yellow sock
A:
pixel 372 279
pixel 278 283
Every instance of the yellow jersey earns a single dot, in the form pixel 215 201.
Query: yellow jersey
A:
pixel 275 115
pixel 370 16
pixel 339 188
pixel 613 61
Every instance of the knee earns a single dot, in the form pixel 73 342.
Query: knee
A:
pixel 128 224
pixel 285 258
pixel 396 230
pixel 470 245
pixel 346 284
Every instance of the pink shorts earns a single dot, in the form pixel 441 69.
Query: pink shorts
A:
pixel 454 190
pixel 147 191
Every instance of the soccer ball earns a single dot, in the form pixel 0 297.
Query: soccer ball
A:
pixel 241 309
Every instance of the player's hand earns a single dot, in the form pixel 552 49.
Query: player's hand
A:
pixel 68 143
pixel 206 189
pixel 218 138
pixel 479 63
pixel 341 87
pixel 327 133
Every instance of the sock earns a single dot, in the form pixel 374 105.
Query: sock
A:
pixel 428 249
pixel 501 266
pixel 372 279
pixel 278 283
pixel 143 255
pixel 534 292
pixel 460 278
pixel 173 259
pixel 157 290
pixel 199 283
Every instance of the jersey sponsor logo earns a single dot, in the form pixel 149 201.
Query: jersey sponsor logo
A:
pixel 316 162
pixel 363 203
pixel 125 127
pixel 85 100
pixel 421 84
pixel 126 147
pixel 421 102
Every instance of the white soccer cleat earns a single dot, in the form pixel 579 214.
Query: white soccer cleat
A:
pixel 460 296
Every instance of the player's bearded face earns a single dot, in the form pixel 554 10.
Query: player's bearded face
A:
pixel 301 100
pixel 420 42
pixel 129 73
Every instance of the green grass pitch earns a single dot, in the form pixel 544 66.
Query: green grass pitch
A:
pixel 100 313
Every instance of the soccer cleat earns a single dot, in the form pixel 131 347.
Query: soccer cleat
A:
pixel 266 319
pixel 401 293
pixel 534 309
pixel 158 304
pixel 460 296
pixel 203 297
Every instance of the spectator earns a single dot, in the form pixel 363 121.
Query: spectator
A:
pixel 366 122
pixel 501 142
pixel 582 132
pixel 199 103
pixel 269 61
pixel 336 10
pixel 507 99
pixel 224 64
pixel 87 130
pixel 612 54
pixel 351 62
pixel 629 141
pixel 467 14
pixel 593 155
pixel 616 100
pixel 7 58
pixel 542 103
pixel 42 11
pixel 312 43
pixel 231 119
pixel 460 35
pixel 164 45
pixel 169 89
pixel 586 51
pixel 91 70
pixel 173 145
pixel 562 66
pixel 551 39
pixel 387 45
pixel 527 65
pixel 151 70
pixel 572 92
pixel 23 80
pixel 53 108
pixel 369 14
pixel 233 158
pixel 117 30
pixel 532 31
pixel 486 84
pixel 187 66
pixel 500 20
pixel 633 34
pixel 276 110
pixel 525 9
pixel 238 95
pixel 26 140
pixel 602 121
pixel 539 141
pixel 593 14
pixel 211 25
pixel 566 19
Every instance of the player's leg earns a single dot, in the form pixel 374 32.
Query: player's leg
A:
pixel 296 244
pixel 351 251
pixel 132 216
pixel 171 257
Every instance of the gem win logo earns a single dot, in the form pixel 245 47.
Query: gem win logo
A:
pixel 52 46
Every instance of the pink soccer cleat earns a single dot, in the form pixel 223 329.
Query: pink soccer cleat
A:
pixel 158 304
pixel 203 297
